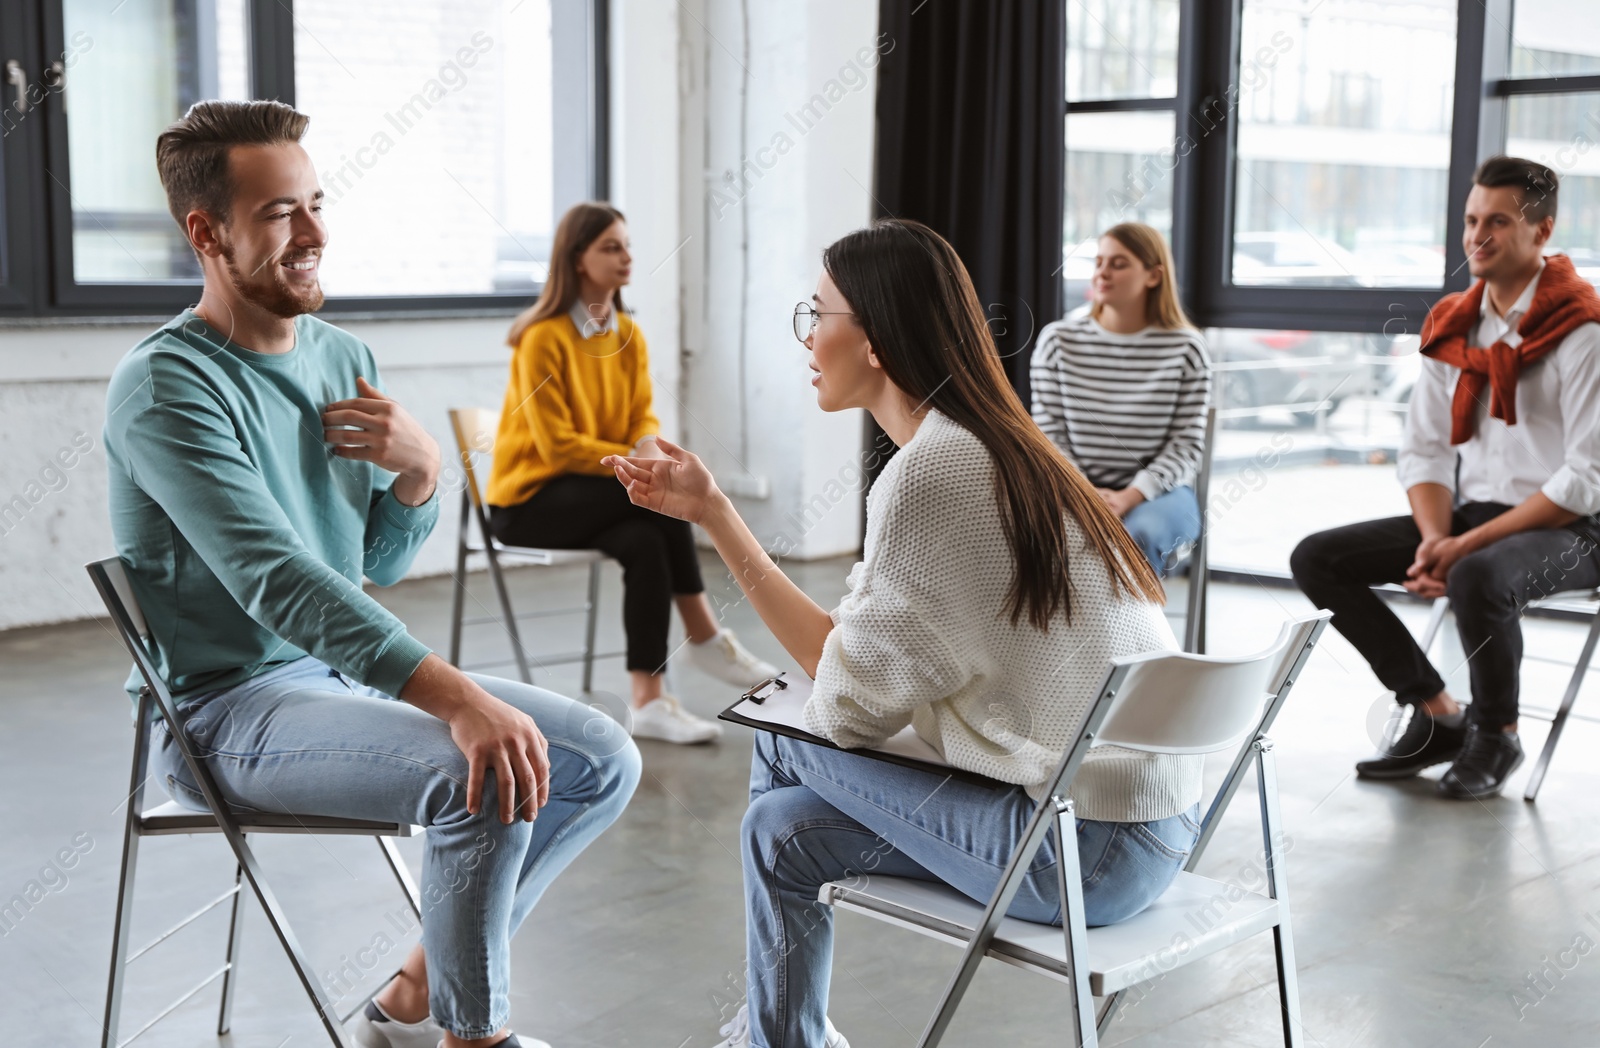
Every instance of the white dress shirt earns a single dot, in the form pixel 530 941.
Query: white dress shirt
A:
pixel 1555 445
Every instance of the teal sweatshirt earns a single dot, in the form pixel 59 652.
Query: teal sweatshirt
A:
pixel 244 536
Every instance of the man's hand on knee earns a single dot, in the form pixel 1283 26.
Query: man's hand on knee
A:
pixel 1431 566
pixel 491 734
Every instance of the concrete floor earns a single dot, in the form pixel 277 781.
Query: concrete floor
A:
pixel 1418 922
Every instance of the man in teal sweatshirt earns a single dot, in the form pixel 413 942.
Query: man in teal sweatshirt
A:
pixel 258 472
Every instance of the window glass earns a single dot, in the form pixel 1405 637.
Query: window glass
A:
pixel 1564 132
pixel 1308 431
pixel 1555 38
pixel 1122 49
pixel 431 133
pixel 127 78
pixel 1344 114
pixel 1119 169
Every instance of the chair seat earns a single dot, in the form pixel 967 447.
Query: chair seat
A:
pixel 173 817
pixel 550 557
pixel 1196 916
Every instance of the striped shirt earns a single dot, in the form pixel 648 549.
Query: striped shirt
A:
pixel 1128 410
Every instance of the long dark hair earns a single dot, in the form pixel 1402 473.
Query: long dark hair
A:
pixel 912 296
pixel 580 227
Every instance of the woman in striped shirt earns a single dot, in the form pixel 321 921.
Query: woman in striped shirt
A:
pixel 1122 388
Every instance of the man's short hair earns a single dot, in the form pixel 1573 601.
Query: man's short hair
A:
pixel 1535 183
pixel 192 154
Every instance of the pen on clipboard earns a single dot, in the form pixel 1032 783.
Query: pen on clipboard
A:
pixel 766 689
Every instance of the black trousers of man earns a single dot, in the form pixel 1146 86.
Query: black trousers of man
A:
pixel 1488 591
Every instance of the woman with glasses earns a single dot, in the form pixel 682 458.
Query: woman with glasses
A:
pixel 1122 389
pixel 580 391
pixel 994 587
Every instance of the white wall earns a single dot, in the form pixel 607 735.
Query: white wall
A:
pixel 727 237
pixel 767 185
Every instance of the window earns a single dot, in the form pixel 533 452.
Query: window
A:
pixel 1122 49
pixel 179 53
pixel 1343 148
pixel 1564 131
pixel 1554 38
pixel 441 119
pixel 443 148
pixel 1550 103
pixel 1121 119
pixel 1118 170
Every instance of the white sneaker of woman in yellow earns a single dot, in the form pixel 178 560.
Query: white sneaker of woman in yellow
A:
pixel 724 658
pixel 666 719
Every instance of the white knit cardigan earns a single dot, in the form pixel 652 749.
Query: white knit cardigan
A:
pixel 923 637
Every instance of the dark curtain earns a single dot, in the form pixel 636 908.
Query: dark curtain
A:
pixel 971 141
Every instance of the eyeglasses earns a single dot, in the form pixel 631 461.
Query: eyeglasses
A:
pixel 805 319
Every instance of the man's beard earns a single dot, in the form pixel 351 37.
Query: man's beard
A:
pixel 273 294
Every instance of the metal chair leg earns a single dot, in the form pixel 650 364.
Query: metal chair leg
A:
pixel 1108 1011
pixel 1194 623
pixel 235 928
pixel 588 629
pixel 458 597
pixel 123 923
pixel 1574 685
pixel 510 616
pixel 1435 620
pixel 401 874
pixel 1277 888
pixel 1069 881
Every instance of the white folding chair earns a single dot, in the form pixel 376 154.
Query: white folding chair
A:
pixel 1161 702
pixel 474 430
pixel 171 818
pixel 1558 720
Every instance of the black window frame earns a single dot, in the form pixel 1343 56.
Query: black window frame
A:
pixel 37 269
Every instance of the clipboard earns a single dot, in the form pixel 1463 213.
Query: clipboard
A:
pixel 781 710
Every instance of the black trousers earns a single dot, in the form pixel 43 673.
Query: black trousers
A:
pixel 1488 590
pixel 657 553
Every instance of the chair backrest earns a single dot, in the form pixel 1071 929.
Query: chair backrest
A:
pixel 1202 479
pixel 111 577
pixel 474 430
pixel 1175 702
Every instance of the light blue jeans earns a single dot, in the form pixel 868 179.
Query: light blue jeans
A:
pixel 304 739
pixel 1162 524
pixel 818 815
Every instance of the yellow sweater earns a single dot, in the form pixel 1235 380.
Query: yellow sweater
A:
pixel 570 402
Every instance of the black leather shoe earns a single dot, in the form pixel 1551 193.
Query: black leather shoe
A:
pixel 1424 743
pixel 1487 760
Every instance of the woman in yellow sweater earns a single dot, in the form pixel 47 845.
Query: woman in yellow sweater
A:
pixel 579 391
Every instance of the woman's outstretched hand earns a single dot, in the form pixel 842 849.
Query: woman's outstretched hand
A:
pixel 676 484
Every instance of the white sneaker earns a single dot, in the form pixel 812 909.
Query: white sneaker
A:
pixel 724 658
pixel 667 720
pixel 738 1032
pixel 372 1028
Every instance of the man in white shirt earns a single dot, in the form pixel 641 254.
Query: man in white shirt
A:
pixel 1501 463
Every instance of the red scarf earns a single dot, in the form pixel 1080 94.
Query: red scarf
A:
pixel 1563 301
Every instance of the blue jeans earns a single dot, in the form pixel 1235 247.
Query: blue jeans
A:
pixel 1163 524
pixel 304 739
pixel 819 815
